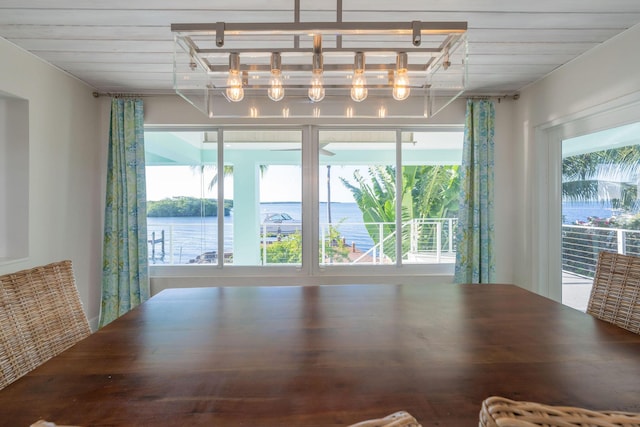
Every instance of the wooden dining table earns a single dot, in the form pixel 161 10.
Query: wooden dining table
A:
pixel 329 356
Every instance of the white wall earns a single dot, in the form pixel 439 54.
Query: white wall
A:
pixel 605 79
pixel 505 191
pixel 67 137
pixel 14 167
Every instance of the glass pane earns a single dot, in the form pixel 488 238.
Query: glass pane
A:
pixel 430 162
pixel 266 191
pixel 181 178
pixel 357 197
pixel 600 207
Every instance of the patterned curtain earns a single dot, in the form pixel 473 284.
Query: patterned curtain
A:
pixel 475 236
pixel 125 279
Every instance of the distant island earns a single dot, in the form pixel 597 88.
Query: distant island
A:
pixel 186 207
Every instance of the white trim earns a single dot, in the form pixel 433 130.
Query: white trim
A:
pixel 220 167
pixel 310 211
pixel 619 105
pixel 399 179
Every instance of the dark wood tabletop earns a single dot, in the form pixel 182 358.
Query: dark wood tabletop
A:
pixel 330 356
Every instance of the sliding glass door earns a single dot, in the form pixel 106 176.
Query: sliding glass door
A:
pixel 600 206
pixel 273 197
pixel 357 197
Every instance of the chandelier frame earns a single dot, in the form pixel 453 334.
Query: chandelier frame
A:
pixel 204 51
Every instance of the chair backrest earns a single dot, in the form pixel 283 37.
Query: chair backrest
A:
pixel 40 316
pixel 397 419
pixel 615 295
pixel 498 411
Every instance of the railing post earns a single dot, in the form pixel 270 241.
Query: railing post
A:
pixel 153 247
pixel 381 233
pixel 450 235
pixel 264 244
pixel 438 241
pixel 171 244
pixel 622 241
pixel 162 245
pixel 322 243
pixel 414 236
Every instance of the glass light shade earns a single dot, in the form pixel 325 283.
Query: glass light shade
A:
pixel 401 89
pixel 276 90
pixel 235 92
pixel 359 86
pixel 316 91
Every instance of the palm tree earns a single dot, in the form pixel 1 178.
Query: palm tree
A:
pixel 376 201
pixel 437 190
pixel 580 180
pixel 227 171
pixel 427 192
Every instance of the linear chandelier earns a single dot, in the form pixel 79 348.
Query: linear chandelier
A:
pixel 320 69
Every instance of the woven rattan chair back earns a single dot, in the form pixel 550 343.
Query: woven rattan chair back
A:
pixel 615 296
pixel 40 316
pixel 397 419
pixel 501 412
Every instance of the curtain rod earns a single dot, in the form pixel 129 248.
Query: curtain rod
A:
pixel 96 94
pixel 515 97
pixel 118 95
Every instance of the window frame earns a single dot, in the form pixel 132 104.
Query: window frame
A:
pixel 310 267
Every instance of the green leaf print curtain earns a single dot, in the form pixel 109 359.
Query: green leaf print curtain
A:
pixel 125 279
pixel 475 235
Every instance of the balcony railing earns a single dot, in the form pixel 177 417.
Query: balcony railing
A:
pixel 428 240
pixel 581 245
pixel 424 241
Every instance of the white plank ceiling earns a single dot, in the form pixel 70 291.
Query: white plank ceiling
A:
pixel 127 45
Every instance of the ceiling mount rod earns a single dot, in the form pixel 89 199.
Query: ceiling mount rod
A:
pixel 309 67
pixel 296 19
pixel 303 28
pixel 339 19
pixel 268 51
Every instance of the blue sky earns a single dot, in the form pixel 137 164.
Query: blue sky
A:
pixel 275 185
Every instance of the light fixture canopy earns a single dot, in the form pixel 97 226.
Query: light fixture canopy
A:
pixel 413 69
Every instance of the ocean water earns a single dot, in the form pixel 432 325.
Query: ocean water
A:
pixel 188 237
pixel 581 211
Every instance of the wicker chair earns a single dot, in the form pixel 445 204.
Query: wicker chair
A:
pixel 397 419
pixel 500 412
pixel 615 296
pixel 40 316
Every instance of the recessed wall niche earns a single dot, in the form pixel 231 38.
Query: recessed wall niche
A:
pixel 14 178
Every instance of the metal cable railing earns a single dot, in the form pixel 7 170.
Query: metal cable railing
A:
pixel 428 240
pixel 581 245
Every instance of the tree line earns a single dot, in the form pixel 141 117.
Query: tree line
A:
pixel 186 206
